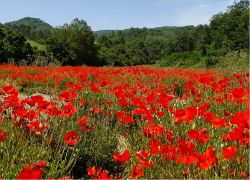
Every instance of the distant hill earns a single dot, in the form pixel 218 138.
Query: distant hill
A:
pixel 36 29
pixel 167 28
pixel 104 32
pixel 31 28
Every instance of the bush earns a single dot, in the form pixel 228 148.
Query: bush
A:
pixel 237 61
pixel 183 59
pixel 210 61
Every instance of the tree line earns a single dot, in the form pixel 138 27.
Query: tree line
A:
pixel 77 44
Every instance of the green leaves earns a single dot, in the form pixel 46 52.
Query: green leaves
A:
pixel 73 44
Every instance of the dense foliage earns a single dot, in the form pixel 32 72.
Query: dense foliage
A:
pixel 73 44
pixel 139 46
pixel 226 32
pixel 31 28
pixel 77 44
pixel 13 47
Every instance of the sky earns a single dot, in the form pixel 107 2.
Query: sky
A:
pixel 115 14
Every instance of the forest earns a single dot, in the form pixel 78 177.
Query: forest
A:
pixel 31 41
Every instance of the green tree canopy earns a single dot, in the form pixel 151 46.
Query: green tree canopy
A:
pixel 74 44
pixel 14 46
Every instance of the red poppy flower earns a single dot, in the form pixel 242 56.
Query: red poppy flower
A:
pixel 231 172
pixel 92 171
pixel 70 138
pixel 2 135
pixel 235 134
pixel 98 174
pixel 151 98
pixel 37 127
pixel 82 102
pixel 104 175
pixel 186 150
pixel 241 119
pixel 144 154
pixel 229 152
pixel 200 136
pixel 68 110
pixel 30 172
pixel 160 114
pixel 40 164
pixel 83 120
pixel 123 102
pixel 169 136
pixel 153 129
pixel 243 174
pixel 9 90
pixel 170 152
pixel 184 115
pixel 94 89
pixel 146 163
pixel 125 156
pixel 206 160
pixel 136 172
pixel 67 96
pixel 218 122
pixel 127 120
pixel 237 94
pixel 156 147
pixel 139 111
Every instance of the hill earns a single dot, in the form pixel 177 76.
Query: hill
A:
pixel 105 32
pixel 31 28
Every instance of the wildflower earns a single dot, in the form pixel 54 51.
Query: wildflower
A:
pixel 68 110
pixel 127 120
pixel 136 172
pixel 30 172
pixel 229 152
pixel 70 138
pixel 186 150
pixel 98 174
pixel 125 156
pixel 200 136
pixel 206 160
pixel 2 135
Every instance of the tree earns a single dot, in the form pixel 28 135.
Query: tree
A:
pixel 184 42
pixel 1 45
pixel 74 44
pixel 203 38
pixel 14 46
pixel 229 30
pixel 30 28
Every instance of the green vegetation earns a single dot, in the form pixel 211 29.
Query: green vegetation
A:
pixel 137 46
pixel 185 59
pixel 227 33
pixel 73 44
pixel 13 47
pixel 31 28
pixel 36 45
pixel 203 46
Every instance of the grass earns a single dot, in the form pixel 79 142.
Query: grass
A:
pixel 37 45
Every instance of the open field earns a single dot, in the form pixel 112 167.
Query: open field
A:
pixel 130 122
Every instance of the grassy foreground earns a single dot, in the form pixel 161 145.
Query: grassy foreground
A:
pixel 131 122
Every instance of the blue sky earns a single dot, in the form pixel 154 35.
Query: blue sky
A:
pixel 115 14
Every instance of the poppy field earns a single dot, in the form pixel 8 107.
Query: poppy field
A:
pixel 123 123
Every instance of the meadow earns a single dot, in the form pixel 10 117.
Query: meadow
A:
pixel 123 122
